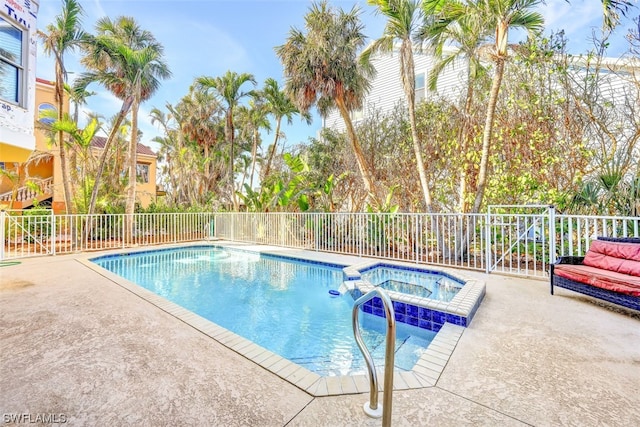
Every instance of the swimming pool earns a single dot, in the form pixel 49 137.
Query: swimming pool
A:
pixel 281 304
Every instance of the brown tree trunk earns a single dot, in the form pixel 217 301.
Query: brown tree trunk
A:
pixel 408 82
pixel 103 156
pixel 59 97
pixel 486 137
pixel 463 137
pixel 133 178
pixel 365 172
pixel 272 149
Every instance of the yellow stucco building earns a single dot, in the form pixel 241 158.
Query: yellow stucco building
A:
pixel 43 171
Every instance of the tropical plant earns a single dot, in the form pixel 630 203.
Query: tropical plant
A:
pixel 404 19
pixel 280 106
pixel 611 192
pixel 201 120
pixel 323 68
pixel 78 95
pixel 288 192
pixel 501 16
pixel 227 89
pixel 59 38
pixel 82 144
pixel 455 36
pixel 128 61
pixel 611 11
pixel 253 120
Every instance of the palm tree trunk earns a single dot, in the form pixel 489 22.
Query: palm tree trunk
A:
pixel 463 138
pixel 407 69
pixel 486 137
pixel 133 179
pixel 272 149
pixel 357 150
pixel 230 132
pixel 59 95
pixel 254 153
pixel 103 156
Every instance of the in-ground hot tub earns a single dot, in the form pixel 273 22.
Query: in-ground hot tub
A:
pixel 423 297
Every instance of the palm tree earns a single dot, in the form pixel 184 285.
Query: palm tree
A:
pixel 127 61
pixel 404 18
pixel 449 24
pixel 228 89
pixel 322 68
pixel 200 117
pixel 78 95
pixel 611 11
pixel 254 119
pixel 82 144
pixel 500 16
pixel 504 15
pixel 280 106
pixel 64 35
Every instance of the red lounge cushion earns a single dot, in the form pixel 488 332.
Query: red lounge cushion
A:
pixel 617 249
pixel 614 256
pixel 630 267
pixel 602 261
pixel 613 281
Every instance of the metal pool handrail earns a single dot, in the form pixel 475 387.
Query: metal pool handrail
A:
pixel 371 408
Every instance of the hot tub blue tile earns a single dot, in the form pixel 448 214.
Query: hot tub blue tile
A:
pixel 400 317
pixel 366 308
pixel 399 307
pixel 452 318
pixel 378 311
pixel 424 324
pixel 412 320
pixel 412 310
pixel 438 317
pixel 424 313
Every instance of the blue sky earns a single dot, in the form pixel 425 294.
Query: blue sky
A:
pixel 209 37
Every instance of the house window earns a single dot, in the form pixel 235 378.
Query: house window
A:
pixel 419 87
pixel 357 115
pixel 142 173
pixel 11 62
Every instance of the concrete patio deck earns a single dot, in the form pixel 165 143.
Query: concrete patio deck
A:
pixel 77 345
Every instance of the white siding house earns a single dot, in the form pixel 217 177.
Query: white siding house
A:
pixel 17 78
pixel 617 76
pixel 386 88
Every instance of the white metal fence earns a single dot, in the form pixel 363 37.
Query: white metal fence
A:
pixel 520 240
pixel 30 233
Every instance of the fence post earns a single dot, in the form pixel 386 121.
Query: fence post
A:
pixel 53 233
pixel 233 227
pixel 552 234
pixel 3 218
pixel 487 241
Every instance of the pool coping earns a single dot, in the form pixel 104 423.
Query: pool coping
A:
pixel 425 373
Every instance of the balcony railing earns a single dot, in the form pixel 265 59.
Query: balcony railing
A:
pixel 25 195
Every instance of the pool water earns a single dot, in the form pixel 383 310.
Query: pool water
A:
pixel 432 285
pixel 281 304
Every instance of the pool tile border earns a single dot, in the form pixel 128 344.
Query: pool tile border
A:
pixel 425 373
